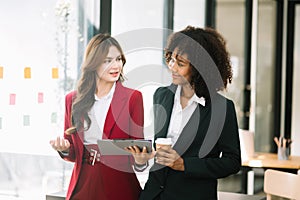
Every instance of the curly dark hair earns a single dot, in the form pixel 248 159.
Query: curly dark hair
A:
pixel 206 51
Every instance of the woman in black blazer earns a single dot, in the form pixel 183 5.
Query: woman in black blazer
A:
pixel 201 122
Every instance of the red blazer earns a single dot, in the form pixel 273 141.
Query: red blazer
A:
pixel 125 119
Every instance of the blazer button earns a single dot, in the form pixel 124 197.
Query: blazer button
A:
pixel 161 187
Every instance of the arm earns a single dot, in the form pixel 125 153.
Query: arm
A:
pixel 137 130
pixel 136 109
pixel 70 155
pixel 228 143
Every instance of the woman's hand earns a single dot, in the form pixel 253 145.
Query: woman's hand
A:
pixel 140 157
pixel 60 144
pixel 167 156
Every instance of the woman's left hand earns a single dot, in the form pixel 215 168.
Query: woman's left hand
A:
pixel 167 156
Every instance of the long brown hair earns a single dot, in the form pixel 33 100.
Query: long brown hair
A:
pixel 95 53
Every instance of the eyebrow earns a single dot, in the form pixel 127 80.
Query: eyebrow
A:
pixel 112 57
pixel 181 59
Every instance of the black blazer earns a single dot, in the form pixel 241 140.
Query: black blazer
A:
pixel 209 145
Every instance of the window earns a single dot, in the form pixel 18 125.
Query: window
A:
pixel 35 59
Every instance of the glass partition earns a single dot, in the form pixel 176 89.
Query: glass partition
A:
pixel 189 13
pixel 265 71
pixel 38 65
pixel 296 82
pixel 138 26
pixel 230 22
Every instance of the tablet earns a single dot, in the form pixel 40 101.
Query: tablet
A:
pixel 116 146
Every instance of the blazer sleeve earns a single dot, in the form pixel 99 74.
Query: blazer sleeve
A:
pixel 67 124
pixel 137 115
pixel 136 124
pixel 228 143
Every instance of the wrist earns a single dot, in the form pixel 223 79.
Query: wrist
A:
pixel 140 167
pixel 140 163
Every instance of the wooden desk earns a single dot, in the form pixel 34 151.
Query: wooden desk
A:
pixel 221 196
pixel 268 161
pixel 238 196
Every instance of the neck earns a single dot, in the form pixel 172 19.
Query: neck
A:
pixel 187 91
pixel 103 88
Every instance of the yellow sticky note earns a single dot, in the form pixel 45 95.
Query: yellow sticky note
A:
pixel 1 72
pixel 27 72
pixel 54 72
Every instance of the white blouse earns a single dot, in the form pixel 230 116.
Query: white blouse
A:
pixel 179 116
pixel 98 115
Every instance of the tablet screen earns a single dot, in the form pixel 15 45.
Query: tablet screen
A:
pixel 116 146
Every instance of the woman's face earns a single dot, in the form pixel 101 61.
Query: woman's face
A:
pixel 180 68
pixel 111 68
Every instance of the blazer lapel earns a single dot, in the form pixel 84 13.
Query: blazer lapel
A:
pixel 191 129
pixel 116 106
pixel 163 112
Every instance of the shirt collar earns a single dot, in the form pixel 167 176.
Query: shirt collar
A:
pixel 109 95
pixel 194 98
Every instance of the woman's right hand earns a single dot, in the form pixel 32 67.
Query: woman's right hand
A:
pixel 140 157
pixel 60 144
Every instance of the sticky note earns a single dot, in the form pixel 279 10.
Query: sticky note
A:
pixel 54 72
pixel 26 120
pixel 1 72
pixel 27 72
pixel 40 97
pixel 12 99
pixel 54 118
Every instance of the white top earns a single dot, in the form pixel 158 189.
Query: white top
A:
pixel 179 116
pixel 98 114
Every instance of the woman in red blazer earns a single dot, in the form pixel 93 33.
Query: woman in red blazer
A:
pixel 101 108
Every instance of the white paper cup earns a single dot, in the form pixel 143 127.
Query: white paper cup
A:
pixel 163 142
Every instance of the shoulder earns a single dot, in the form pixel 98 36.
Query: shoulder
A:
pixel 70 97
pixel 129 92
pixel 166 90
pixel 225 100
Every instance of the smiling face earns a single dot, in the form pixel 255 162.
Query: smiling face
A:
pixel 180 68
pixel 110 69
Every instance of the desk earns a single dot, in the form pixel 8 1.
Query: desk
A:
pixel 268 161
pixel 238 196
pixel 221 196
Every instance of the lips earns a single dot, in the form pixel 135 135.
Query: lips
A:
pixel 114 73
pixel 175 76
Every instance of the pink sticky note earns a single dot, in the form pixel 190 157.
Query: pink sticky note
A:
pixel 40 97
pixel 12 99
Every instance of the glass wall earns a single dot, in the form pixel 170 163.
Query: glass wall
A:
pixel 191 13
pixel 296 83
pixel 266 46
pixel 230 22
pixel 38 65
pixel 138 26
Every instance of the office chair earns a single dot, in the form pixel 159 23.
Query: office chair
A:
pixel 247 144
pixel 281 184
